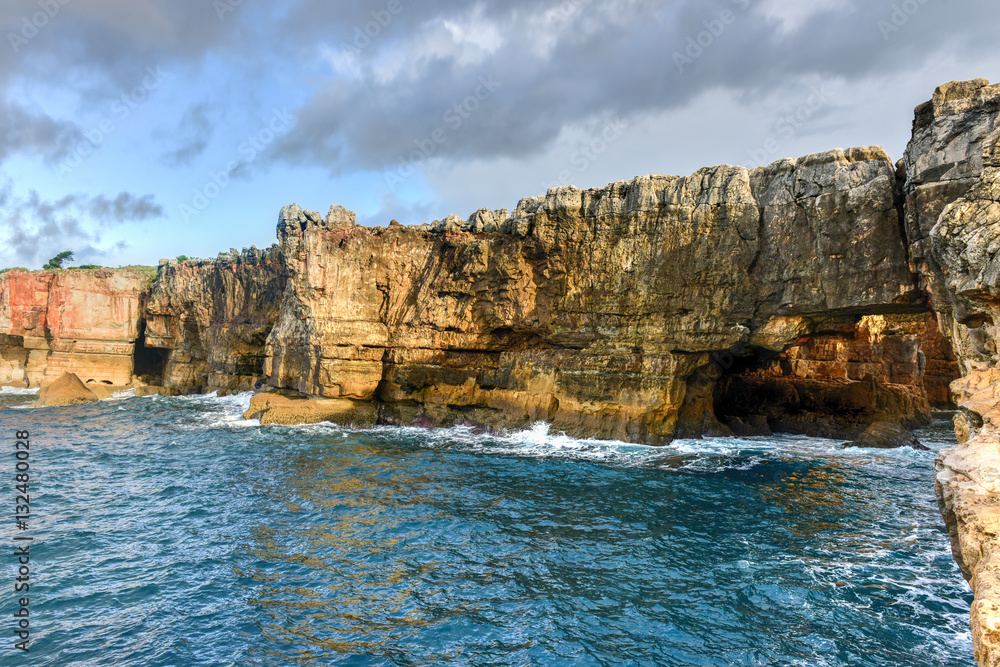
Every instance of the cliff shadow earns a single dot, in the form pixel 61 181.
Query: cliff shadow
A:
pixel 149 362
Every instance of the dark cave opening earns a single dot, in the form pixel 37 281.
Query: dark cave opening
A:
pixel 149 362
pixel 835 382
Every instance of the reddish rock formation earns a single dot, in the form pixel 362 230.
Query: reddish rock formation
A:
pixel 85 322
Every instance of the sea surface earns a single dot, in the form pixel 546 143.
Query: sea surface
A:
pixel 169 531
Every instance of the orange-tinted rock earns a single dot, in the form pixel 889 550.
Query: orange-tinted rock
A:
pixel 281 409
pixel 210 319
pixel 148 390
pixel 99 390
pixel 84 322
pixel 599 310
pixel 66 390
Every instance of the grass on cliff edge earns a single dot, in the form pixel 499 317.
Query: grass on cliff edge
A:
pixel 148 271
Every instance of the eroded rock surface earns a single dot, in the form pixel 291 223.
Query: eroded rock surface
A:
pixel 953 213
pixel 598 311
pixel 68 389
pixel 794 297
pixel 209 319
pixel 84 322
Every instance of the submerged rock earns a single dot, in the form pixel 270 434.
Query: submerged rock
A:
pixel 887 435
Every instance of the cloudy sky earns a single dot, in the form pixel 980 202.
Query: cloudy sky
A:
pixel 139 129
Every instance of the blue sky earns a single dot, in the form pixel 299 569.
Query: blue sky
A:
pixel 140 129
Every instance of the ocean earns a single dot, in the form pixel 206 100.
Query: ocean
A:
pixel 169 531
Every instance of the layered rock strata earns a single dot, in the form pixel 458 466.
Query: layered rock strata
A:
pixel 843 378
pixel 600 311
pixel 953 195
pixel 207 321
pixel 84 322
pixel 837 294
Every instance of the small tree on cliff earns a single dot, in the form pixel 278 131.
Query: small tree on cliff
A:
pixel 57 261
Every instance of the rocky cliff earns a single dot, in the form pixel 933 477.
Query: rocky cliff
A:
pixel 207 320
pixel 85 322
pixel 953 195
pixel 643 311
pixel 600 311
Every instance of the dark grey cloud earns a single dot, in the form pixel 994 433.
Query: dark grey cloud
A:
pixel 93 49
pixel 114 39
pixel 392 76
pixel 23 130
pixel 124 208
pixel 39 228
pixel 193 134
pixel 613 58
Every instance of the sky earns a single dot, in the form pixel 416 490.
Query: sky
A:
pixel 135 130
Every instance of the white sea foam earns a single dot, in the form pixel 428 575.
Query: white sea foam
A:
pixel 705 455
pixel 221 411
pixel 14 391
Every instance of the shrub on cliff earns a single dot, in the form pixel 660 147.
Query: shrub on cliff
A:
pixel 57 261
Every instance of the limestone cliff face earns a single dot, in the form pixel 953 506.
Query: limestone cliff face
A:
pixel 598 311
pixel 85 322
pixel 954 193
pixel 211 318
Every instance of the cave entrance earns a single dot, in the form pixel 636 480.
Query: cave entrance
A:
pixel 837 381
pixel 730 396
pixel 150 362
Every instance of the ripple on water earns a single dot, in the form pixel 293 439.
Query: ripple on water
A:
pixel 171 531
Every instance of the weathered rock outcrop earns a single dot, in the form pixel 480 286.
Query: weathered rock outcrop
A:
pixel 598 311
pixel 209 320
pixel 837 294
pixel 68 389
pixel 275 408
pixel 839 380
pixel 953 195
pixel 887 435
pixel 84 322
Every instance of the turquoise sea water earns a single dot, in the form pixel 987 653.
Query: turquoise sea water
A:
pixel 172 532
